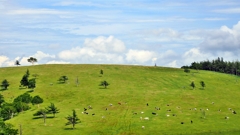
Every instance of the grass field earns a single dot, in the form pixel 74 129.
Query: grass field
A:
pixel 133 87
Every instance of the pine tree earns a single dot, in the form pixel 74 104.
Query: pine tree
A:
pixel 72 120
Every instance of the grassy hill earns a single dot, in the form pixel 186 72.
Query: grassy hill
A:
pixel 133 87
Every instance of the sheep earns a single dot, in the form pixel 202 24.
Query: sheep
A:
pixel 147 104
pixel 234 112
pixel 85 109
pixel 103 117
pixel 168 115
pixel 142 112
pixel 207 109
pixel 106 109
pixel 110 104
pixel 226 117
pixel 230 109
pixel 174 115
pixel 157 108
pixel 135 113
pixel 119 103
pixel 191 121
pixel 213 103
pixel 154 113
pixel 89 107
pixel 182 122
pixel 145 118
pixel 93 114
pixel 169 110
pixel 143 127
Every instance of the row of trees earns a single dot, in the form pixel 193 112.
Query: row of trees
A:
pixel 218 65
pixel 201 83
pixel 29 83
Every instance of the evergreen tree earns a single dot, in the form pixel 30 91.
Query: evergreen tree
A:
pixel 52 109
pixel 202 84
pixel 72 120
pixel 32 83
pixel 5 84
pixel 192 85
pixel 63 79
pixel 24 81
pixel 104 83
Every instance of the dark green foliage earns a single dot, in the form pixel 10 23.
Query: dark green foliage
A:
pixel 37 100
pixel 5 84
pixel 186 70
pixel 202 84
pixel 32 83
pixel 7 129
pixel 192 85
pixel 104 83
pixel 24 81
pixel 7 111
pixel 63 79
pixel 217 65
pixel 1 99
pixel 32 60
pixel 52 109
pixel 73 120
pixel 21 106
pixel 101 72
pixel 26 98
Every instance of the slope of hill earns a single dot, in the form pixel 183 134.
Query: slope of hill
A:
pixel 182 110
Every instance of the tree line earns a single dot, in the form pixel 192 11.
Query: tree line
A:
pixel 217 65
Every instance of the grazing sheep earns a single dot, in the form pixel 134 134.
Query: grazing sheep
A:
pixel 110 104
pixel 213 103
pixel 103 117
pixel 93 114
pixel 135 113
pixel 207 109
pixel 182 122
pixel 219 110
pixel 143 127
pixel 85 109
pixel 147 104
pixel 169 110
pixel 89 107
pixel 119 103
pixel 157 108
pixel 191 121
pixel 174 115
pixel 106 109
pixel 142 112
pixel 146 118
pixel 167 104
pixel 226 118
pixel 234 112
pixel 230 109
pixel 195 109
pixel 168 115
pixel 154 113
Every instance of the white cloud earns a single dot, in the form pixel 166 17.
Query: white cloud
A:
pixel 228 10
pixel 40 55
pixel 3 60
pixel 223 39
pixel 139 56
pixel 57 62
pixel 105 44
pixel 35 12
pixel 172 64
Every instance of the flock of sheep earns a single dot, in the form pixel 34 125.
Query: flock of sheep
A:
pixel 168 111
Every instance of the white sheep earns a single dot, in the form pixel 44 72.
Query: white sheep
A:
pixel 143 127
pixel 145 118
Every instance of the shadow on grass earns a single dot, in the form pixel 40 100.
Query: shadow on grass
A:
pixel 30 91
pixel 40 117
pixel 21 88
pixel 103 88
pixel 68 128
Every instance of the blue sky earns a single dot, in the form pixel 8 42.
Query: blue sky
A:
pixel 169 33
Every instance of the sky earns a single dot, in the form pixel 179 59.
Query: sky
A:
pixel 170 33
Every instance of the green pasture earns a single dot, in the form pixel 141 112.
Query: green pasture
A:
pixel 134 87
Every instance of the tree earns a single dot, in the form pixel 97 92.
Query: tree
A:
pixel 1 99
pixel 63 79
pixel 41 113
pixel 32 83
pixel 7 129
pixel 104 83
pixel 17 63
pixel 5 84
pixel 37 100
pixel 20 106
pixel 186 70
pixel 26 98
pixel 192 85
pixel 52 109
pixel 7 111
pixel 32 60
pixel 24 81
pixel 202 84
pixel 101 72
pixel 73 120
